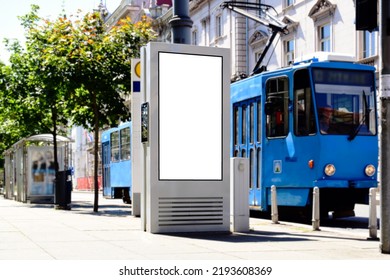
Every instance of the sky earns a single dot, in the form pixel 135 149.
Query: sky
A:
pixel 10 9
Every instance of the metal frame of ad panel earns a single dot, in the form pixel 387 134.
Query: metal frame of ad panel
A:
pixel 186 164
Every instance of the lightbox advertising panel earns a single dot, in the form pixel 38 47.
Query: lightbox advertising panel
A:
pixel 190 116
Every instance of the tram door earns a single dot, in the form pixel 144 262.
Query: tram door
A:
pixel 289 129
pixel 247 143
pixel 106 169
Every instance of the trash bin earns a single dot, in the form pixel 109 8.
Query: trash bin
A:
pixel 63 190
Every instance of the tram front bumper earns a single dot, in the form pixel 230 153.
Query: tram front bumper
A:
pixel 358 184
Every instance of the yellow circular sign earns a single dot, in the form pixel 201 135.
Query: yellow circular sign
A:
pixel 138 69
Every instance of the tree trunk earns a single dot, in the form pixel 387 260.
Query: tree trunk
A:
pixel 56 166
pixel 96 153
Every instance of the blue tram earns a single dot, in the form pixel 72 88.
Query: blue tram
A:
pixel 311 124
pixel 116 162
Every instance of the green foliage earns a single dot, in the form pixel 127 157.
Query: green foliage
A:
pixel 101 61
pixel 73 68
pixel 70 70
pixel 20 114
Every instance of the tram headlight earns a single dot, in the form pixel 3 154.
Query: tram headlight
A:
pixel 330 169
pixel 370 170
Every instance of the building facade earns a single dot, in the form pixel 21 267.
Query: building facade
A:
pixel 312 25
pixel 135 9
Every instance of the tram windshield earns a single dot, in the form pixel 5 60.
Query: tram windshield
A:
pixel 345 102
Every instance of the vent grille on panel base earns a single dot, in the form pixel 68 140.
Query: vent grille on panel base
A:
pixel 190 211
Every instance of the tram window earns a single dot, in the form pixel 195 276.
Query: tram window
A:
pixel 258 156
pixel 125 144
pixel 235 125
pixel 106 153
pixel 243 118
pixel 252 168
pixel 304 118
pixel 276 107
pixel 345 102
pixel 259 112
pixel 114 146
pixel 251 122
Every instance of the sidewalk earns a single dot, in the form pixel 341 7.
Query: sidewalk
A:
pixel 38 232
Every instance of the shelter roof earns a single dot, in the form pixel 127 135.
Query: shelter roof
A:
pixel 47 138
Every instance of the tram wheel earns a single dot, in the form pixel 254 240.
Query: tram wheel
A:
pixel 295 214
pixel 126 196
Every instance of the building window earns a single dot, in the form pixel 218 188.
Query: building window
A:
pixel 289 3
pixel 218 22
pixel 257 55
pixel 194 37
pixel 324 38
pixel 369 44
pixel 259 11
pixel 205 32
pixel 289 52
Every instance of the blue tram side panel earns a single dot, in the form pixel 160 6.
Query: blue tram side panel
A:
pixel 311 124
pixel 116 162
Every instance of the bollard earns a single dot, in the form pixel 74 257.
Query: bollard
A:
pixel 274 206
pixel 316 209
pixel 372 218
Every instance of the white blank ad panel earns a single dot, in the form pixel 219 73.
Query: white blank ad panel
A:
pixel 190 116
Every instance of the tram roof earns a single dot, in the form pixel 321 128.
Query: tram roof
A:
pixel 324 56
pixel 312 58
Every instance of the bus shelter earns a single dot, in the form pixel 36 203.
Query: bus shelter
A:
pixel 29 168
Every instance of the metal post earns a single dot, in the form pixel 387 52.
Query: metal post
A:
pixel 372 219
pixel 316 209
pixel 274 205
pixel 385 136
pixel 181 22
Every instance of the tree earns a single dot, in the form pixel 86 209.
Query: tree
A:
pixel 22 114
pixel 41 69
pixel 51 75
pixel 72 70
pixel 101 62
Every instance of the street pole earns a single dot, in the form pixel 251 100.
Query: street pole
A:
pixel 181 22
pixel 385 115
